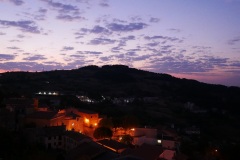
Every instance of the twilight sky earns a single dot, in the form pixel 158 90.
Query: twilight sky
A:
pixel 194 39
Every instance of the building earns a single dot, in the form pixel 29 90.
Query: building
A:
pixel 45 118
pixel 169 142
pixel 145 152
pixel 72 118
pixel 91 150
pixel 113 145
pixel 144 135
pixel 90 118
pixel 73 139
pixel 168 155
pixel 21 105
pixel 52 137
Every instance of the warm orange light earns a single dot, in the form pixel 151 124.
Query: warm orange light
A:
pixel 133 129
pixel 86 120
pixel 95 124
pixel 72 124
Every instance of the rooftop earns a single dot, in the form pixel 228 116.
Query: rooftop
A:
pixel 146 152
pixel 76 136
pixel 87 111
pixel 115 145
pixel 44 115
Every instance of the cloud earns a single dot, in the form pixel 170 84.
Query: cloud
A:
pixel 76 64
pixel 93 52
pixel 235 64
pixel 42 10
pixel 35 58
pixel 164 39
pixel 41 14
pixel 175 30
pixel 20 36
pixel 89 52
pixel 17 2
pixel 2 34
pixel 25 26
pixel 153 44
pixel 136 19
pixel 141 58
pixel 110 28
pixel 77 56
pixel 123 42
pixel 167 47
pixel 29 66
pixel 62 7
pixel 154 20
pixel 170 65
pixel 116 49
pixel 104 3
pixel 67 48
pixel 130 37
pixel 13 47
pixel 119 20
pixel 69 17
pixel 234 41
pixel 181 64
pixel 106 59
pixel 96 30
pixel 66 12
pixel 15 40
pixel 131 53
pixel 126 28
pixel 6 57
pixel 102 41
pixel 215 61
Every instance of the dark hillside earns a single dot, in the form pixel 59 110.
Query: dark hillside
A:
pixel 119 80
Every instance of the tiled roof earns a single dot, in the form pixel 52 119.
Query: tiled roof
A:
pixel 72 115
pixel 112 144
pixel 91 150
pixel 44 115
pixel 54 130
pixel 147 152
pixel 129 157
pixel 75 135
pixel 19 102
pixel 87 111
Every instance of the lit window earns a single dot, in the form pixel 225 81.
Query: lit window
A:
pixel 159 141
pixel 86 120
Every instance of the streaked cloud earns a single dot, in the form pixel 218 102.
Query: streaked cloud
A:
pixel 36 57
pixel 104 3
pixel 101 41
pixel 25 26
pixel 126 27
pixel 154 20
pixel 234 41
pixel 2 33
pixel 13 47
pixel 6 57
pixel 17 2
pixel 67 48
